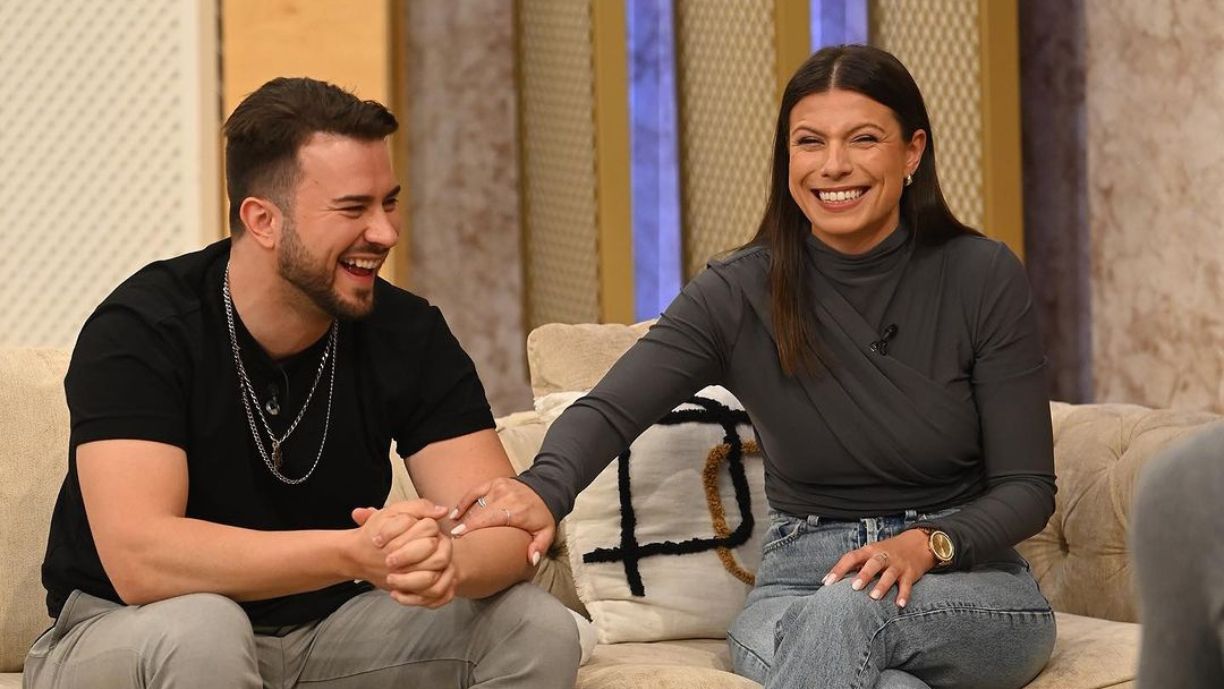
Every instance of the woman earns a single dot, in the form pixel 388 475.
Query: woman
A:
pixel 889 359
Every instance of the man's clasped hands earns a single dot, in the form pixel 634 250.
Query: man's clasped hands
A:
pixel 402 549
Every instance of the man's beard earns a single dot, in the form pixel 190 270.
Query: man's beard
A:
pixel 297 266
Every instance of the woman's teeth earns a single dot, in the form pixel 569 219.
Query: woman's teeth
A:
pixel 839 196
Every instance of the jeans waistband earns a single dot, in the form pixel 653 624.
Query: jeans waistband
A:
pixel 908 515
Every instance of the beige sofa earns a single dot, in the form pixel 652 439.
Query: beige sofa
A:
pixel 1080 558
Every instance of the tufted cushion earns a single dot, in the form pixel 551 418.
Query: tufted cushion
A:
pixel 1081 558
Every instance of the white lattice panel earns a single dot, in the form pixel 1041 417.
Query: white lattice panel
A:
pixel 107 151
pixel 939 41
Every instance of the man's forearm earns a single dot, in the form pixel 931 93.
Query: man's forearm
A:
pixel 174 556
pixel 491 560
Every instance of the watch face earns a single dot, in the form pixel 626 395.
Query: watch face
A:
pixel 941 545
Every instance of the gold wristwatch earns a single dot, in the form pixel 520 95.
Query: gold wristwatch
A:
pixel 940 545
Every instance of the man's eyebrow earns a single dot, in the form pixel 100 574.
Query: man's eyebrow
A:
pixel 364 198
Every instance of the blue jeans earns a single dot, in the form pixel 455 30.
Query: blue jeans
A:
pixel 986 628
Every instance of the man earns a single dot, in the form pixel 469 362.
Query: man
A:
pixel 1178 553
pixel 232 411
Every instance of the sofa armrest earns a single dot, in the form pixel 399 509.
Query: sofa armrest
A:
pixel 1082 558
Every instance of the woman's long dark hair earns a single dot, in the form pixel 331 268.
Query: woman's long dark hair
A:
pixel 881 77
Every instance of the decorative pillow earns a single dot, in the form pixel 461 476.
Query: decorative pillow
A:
pixel 664 543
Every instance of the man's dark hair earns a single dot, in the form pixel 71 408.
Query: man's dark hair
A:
pixel 268 127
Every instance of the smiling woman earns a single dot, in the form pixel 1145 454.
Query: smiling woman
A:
pixel 889 359
pixel 847 162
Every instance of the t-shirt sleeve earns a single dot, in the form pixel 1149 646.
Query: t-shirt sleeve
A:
pixel 447 400
pixel 684 351
pixel 1010 392
pixel 126 380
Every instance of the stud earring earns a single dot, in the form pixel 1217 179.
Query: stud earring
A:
pixel 909 179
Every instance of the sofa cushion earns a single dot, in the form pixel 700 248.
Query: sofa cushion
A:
pixel 681 664
pixel 1089 654
pixel 666 515
pixel 1081 559
pixel 562 358
pixel 33 460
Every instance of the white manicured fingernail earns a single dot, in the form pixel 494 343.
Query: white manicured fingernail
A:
pixel 453 513
pixel 875 595
pixel 535 558
pixel 901 603
pixel 827 580
pixel 857 585
pixel 459 530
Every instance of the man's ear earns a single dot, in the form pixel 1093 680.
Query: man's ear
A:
pixel 262 220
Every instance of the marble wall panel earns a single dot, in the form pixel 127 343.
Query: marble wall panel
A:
pixel 1056 237
pixel 465 252
pixel 1155 153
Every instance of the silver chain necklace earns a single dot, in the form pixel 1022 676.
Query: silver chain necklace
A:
pixel 275 460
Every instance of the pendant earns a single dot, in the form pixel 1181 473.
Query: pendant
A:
pixel 276 455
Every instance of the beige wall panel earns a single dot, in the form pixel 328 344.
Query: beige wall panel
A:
pixel 614 218
pixel 727 78
pixel 939 41
pixel 1155 111
pixel 557 134
pixel 1002 170
pixel 464 204
pixel 108 141
pixel 345 42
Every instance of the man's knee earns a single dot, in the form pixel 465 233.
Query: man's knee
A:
pixel 528 620
pixel 528 608
pixel 195 628
pixel 200 640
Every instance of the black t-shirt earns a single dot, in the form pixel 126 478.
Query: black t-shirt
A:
pixel 154 362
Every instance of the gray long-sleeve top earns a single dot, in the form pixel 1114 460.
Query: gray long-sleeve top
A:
pixel 955 413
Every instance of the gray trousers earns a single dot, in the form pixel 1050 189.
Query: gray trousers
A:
pixel 521 637
pixel 1178 547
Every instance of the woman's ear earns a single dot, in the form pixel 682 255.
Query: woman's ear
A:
pixel 914 150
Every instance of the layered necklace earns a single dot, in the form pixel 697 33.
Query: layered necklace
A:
pixel 274 459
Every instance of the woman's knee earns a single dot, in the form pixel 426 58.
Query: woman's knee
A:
pixel 838 607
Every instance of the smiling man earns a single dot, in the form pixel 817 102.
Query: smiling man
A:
pixel 232 414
